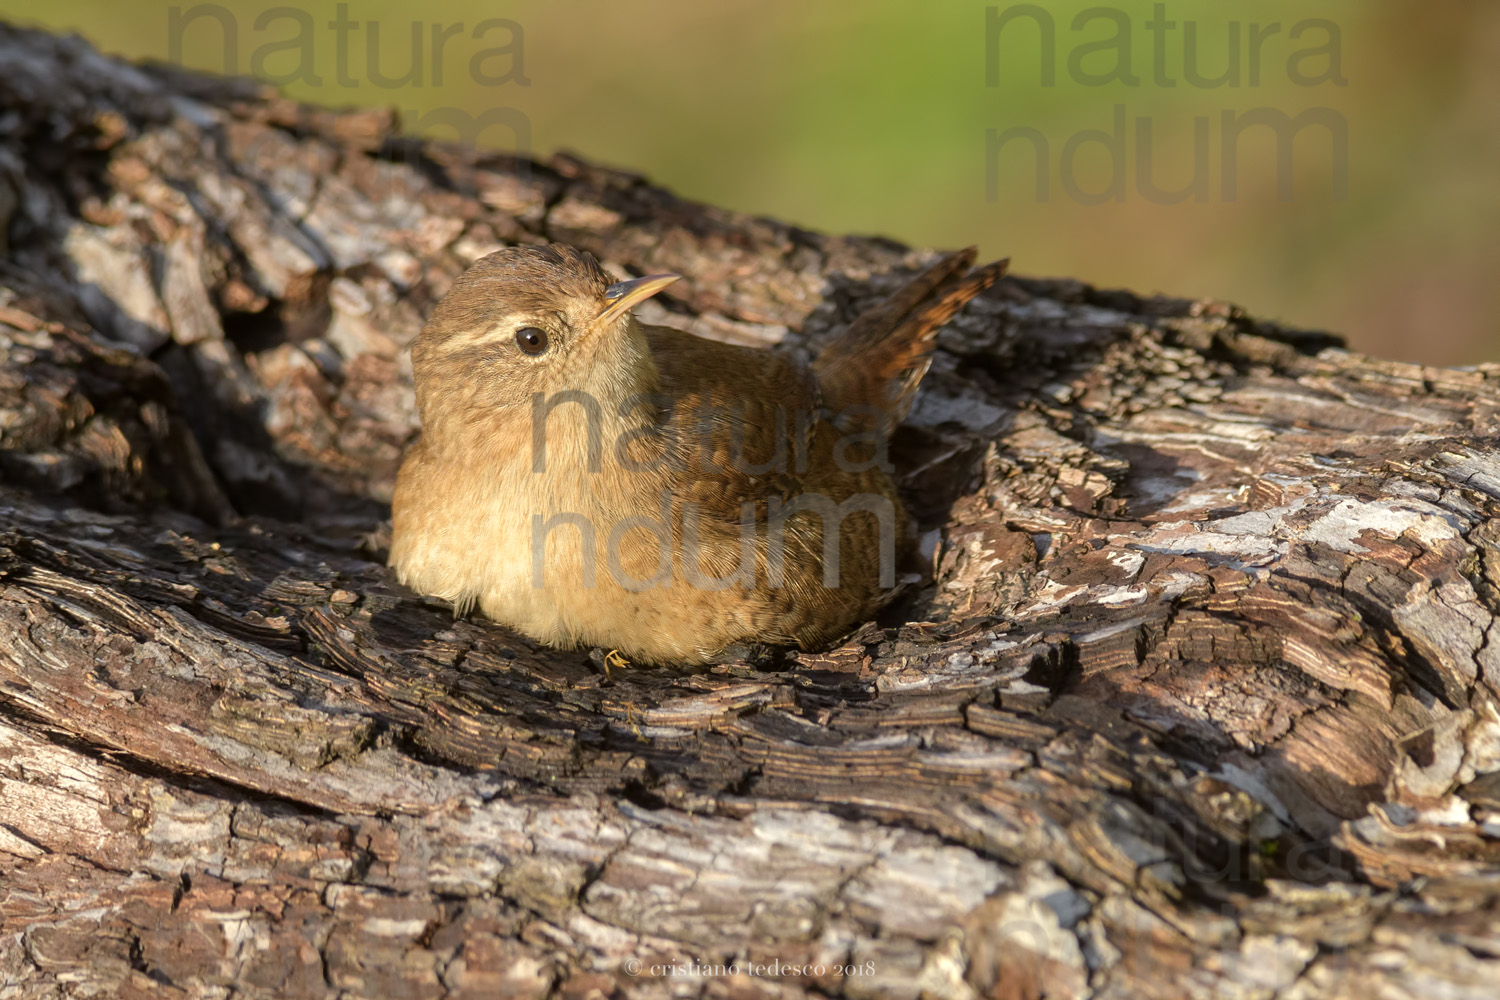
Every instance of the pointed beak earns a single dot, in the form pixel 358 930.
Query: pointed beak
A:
pixel 624 295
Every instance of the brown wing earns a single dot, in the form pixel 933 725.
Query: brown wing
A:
pixel 764 438
pixel 741 418
pixel 874 366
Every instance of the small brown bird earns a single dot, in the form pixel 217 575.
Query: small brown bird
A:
pixel 591 481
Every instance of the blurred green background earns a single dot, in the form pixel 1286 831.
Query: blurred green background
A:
pixel 873 117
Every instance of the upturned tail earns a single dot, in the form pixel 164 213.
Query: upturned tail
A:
pixel 869 373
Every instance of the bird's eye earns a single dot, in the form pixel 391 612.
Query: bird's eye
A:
pixel 531 340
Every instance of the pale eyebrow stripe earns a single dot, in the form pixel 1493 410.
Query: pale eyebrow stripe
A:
pixel 468 337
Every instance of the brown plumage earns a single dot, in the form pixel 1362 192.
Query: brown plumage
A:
pixel 592 481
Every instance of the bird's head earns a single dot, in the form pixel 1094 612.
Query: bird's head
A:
pixel 528 320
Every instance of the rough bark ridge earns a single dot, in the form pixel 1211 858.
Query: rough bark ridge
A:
pixel 1203 702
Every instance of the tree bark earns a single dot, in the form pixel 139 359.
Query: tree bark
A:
pixel 1201 703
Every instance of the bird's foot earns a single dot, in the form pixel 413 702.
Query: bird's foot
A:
pixel 604 659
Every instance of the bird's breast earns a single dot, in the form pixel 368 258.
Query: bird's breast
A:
pixel 519 529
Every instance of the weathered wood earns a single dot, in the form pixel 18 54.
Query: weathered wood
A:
pixel 1202 702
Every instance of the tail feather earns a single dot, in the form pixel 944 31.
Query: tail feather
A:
pixel 871 370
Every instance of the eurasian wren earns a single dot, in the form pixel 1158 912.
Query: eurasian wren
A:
pixel 592 481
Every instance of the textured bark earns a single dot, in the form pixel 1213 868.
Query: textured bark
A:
pixel 1203 701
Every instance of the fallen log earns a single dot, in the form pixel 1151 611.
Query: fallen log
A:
pixel 1202 700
